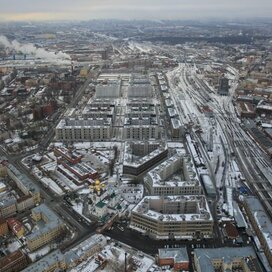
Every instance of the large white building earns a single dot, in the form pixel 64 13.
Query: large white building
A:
pixel 141 121
pixel 99 109
pixel 79 129
pixel 169 217
pixel 175 176
pixel 139 86
pixel 111 89
pixel 141 128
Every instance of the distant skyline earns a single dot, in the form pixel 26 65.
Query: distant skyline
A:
pixel 40 10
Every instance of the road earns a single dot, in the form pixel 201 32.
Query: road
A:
pixel 74 221
pixel 150 246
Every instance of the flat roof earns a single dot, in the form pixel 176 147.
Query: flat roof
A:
pixel 31 187
pixel 203 212
pixel 82 249
pixel 178 254
pixel 262 219
pixel 158 178
pixel 47 261
pixel 226 254
pixel 43 227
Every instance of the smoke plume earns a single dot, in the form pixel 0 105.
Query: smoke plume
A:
pixel 30 49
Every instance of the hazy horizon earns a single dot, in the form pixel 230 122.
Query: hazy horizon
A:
pixel 36 10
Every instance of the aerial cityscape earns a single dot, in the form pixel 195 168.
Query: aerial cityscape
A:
pixel 134 143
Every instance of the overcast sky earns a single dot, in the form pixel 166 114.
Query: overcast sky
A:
pixel 127 9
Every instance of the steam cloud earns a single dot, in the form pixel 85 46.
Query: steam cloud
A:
pixel 30 49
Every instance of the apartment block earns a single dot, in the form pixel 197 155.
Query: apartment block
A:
pixel 79 129
pixel 175 176
pixel 179 217
pixel 141 156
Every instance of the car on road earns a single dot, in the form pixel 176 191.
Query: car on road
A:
pixel 120 228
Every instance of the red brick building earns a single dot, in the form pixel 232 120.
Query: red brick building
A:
pixel 3 227
pixel 68 155
pixel 15 261
pixel 174 257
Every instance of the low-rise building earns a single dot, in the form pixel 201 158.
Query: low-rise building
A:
pixel 226 259
pixel 174 257
pixel 16 227
pixel 246 110
pixel 15 261
pixel 9 205
pixel 85 249
pixel 178 217
pixel 3 226
pixel 54 261
pixel 49 227
pixel 68 155
pixel 3 187
pixel 58 261
pixel 261 224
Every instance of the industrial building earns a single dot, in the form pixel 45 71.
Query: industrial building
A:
pixel 167 217
pixel 67 155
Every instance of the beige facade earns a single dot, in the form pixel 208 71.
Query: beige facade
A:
pixel 31 193
pixel 173 217
pixel 8 210
pixel 49 227
pixel 44 238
